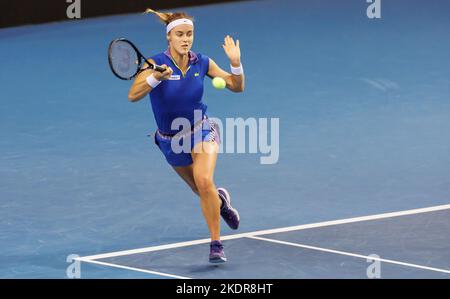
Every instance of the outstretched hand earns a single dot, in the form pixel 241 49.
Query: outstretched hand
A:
pixel 232 50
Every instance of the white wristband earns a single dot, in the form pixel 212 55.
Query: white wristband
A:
pixel 237 70
pixel 152 81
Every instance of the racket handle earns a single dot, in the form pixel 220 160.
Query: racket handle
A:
pixel 159 68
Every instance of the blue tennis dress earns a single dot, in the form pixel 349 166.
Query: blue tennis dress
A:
pixel 181 96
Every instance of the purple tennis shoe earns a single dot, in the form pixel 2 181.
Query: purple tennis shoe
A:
pixel 217 255
pixel 228 213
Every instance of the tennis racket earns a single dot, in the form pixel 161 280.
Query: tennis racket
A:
pixel 126 61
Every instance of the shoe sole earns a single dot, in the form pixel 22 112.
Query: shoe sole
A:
pixel 218 261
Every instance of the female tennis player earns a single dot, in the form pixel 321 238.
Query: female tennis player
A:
pixel 177 92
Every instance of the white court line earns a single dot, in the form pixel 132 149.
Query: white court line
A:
pixel 266 232
pixel 133 269
pixel 350 254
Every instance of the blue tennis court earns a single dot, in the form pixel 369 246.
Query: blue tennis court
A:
pixel 333 249
pixel 363 174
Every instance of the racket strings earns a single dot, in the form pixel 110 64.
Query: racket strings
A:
pixel 124 59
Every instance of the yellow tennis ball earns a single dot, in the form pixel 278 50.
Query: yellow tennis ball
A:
pixel 219 83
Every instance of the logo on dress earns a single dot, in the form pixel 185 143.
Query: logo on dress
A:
pixel 196 74
pixel 174 77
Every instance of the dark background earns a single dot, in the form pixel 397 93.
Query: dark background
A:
pixel 15 13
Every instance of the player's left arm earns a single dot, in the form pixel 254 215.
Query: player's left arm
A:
pixel 235 83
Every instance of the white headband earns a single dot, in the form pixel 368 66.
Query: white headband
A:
pixel 172 24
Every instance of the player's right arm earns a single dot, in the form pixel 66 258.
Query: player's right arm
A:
pixel 140 87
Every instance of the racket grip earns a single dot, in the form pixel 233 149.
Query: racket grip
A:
pixel 159 68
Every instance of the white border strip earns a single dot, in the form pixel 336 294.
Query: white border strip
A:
pixel 266 232
pixel 133 269
pixel 350 254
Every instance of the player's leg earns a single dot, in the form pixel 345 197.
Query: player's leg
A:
pixel 204 158
pixel 228 213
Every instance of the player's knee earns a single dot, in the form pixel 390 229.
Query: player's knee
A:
pixel 204 184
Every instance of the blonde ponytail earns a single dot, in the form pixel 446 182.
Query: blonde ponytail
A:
pixel 163 17
pixel 167 17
